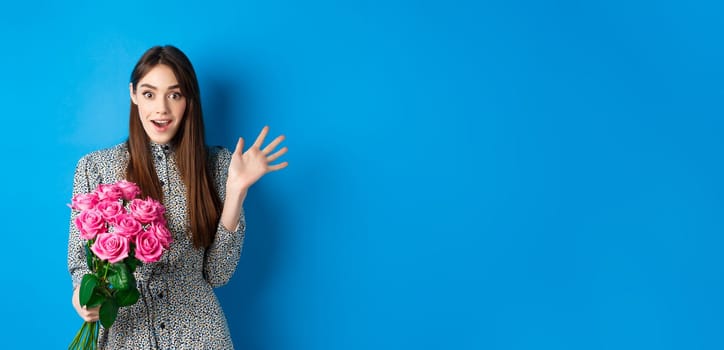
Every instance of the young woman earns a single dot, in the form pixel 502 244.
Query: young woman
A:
pixel 203 190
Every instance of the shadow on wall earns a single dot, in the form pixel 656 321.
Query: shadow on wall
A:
pixel 243 297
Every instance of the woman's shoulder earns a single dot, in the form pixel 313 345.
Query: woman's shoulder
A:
pixel 217 153
pixel 108 155
pixel 102 166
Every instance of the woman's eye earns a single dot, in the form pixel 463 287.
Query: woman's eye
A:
pixel 148 94
pixel 174 96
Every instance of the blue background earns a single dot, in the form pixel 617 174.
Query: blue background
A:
pixel 463 175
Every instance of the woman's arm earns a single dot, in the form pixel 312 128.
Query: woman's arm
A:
pixel 243 170
pixel 84 180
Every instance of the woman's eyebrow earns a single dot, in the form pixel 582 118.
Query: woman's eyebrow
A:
pixel 154 88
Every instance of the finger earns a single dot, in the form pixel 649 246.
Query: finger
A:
pixel 279 166
pixel 276 155
pixel 90 316
pixel 262 135
pixel 93 310
pixel 270 147
pixel 239 146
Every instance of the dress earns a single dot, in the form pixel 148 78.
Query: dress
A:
pixel 177 308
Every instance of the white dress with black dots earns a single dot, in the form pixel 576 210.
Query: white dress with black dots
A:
pixel 178 308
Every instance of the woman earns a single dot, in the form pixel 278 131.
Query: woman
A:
pixel 203 190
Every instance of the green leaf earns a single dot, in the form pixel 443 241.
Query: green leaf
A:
pixel 127 297
pixel 108 312
pixel 95 300
pixel 88 256
pixel 87 285
pixel 121 278
pixel 133 263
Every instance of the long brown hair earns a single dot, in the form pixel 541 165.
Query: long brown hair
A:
pixel 204 205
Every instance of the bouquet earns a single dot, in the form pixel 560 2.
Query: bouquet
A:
pixel 120 232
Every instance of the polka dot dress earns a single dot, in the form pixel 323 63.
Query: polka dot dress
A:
pixel 178 308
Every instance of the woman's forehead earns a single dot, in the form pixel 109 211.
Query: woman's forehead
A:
pixel 160 76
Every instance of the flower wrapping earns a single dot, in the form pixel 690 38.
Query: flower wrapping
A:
pixel 121 232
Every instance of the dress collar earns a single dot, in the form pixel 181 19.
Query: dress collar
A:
pixel 157 148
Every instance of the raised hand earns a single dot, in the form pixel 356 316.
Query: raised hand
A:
pixel 247 167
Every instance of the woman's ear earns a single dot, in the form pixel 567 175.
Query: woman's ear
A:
pixel 133 95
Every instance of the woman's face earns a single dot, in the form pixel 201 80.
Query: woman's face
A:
pixel 160 103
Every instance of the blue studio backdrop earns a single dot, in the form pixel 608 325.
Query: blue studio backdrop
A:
pixel 463 174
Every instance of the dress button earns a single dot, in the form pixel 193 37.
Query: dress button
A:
pixel 162 183
pixel 163 326
pixel 160 294
pixel 159 157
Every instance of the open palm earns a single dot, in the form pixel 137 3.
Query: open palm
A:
pixel 247 167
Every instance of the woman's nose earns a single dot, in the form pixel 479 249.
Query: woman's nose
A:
pixel 161 106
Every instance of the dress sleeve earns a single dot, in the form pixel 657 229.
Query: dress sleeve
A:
pixel 84 181
pixel 223 255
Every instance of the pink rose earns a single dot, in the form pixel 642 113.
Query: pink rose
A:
pixel 111 247
pixel 130 190
pixel 127 226
pixel 162 233
pixel 146 211
pixel 109 191
pixel 110 209
pixel 90 223
pixel 84 201
pixel 148 247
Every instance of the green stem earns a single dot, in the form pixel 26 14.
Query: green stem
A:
pixel 86 338
pixel 105 273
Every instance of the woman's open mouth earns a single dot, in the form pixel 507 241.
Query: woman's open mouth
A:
pixel 161 125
